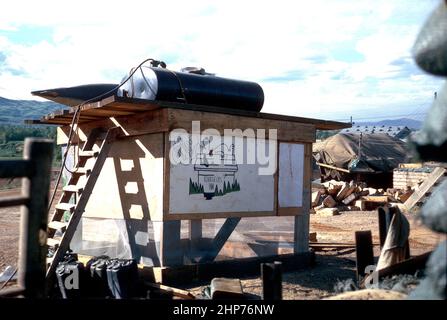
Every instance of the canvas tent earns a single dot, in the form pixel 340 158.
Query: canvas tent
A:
pixel 355 155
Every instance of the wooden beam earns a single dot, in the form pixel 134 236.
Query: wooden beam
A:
pixel 16 168
pixel 13 201
pixel 364 252
pixel 34 216
pixel 409 266
pixel 332 167
pixel 221 237
pixel 140 105
pixel 271 275
pixel 424 187
pixel 174 291
pixel 171 252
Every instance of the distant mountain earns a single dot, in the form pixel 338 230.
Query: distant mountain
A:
pixel 16 111
pixel 410 123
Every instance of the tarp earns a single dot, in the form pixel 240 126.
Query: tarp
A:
pixel 378 152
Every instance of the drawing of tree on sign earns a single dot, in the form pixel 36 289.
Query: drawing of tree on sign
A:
pixel 216 171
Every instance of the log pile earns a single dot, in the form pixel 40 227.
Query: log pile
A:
pixel 332 197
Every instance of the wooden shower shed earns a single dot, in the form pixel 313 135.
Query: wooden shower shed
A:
pixel 164 162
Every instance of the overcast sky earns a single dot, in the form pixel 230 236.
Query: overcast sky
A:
pixel 326 59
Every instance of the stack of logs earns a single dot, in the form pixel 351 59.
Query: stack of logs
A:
pixel 332 197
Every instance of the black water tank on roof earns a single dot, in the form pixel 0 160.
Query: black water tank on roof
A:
pixel 153 83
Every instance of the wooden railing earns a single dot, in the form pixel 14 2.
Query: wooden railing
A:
pixel 34 169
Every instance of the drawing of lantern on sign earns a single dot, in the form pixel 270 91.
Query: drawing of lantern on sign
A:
pixel 216 171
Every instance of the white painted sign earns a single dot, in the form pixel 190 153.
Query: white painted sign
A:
pixel 291 170
pixel 222 175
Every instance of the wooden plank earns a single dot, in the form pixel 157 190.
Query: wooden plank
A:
pixel 332 167
pixel 410 165
pixel 424 187
pixel 148 105
pixel 73 189
pixel 57 225
pixel 301 221
pixel 195 234
pixel 88 153
pixel 13 201
pixel 271 275
pixel 221 237
pixel 137 124
pixel 286 131
pixel 174 291
pixel 409 266
pixel 53 242
pixel 65 206
pixel 16 168
pixel 364 252
pixel 171 251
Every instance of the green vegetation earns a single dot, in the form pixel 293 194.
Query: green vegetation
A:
pixel 197 188
pixel 12 137
pixel 194 187
pixel 16 111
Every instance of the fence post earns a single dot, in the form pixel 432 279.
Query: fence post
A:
pixel 271 274
pixel 34 218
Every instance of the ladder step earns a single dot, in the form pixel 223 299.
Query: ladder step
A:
pixel 49 261
pixel 88 153
pixel 82 171
pixel 53 242
pixel 66 206
pixel 56 225
pixel 73 188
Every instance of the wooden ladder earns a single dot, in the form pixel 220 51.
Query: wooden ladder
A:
pixel 60 243
pixel 419 197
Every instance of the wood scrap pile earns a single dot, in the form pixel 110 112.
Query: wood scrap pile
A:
pixel 332 197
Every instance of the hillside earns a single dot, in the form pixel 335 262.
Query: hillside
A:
pixel 15 111
pixel 410 123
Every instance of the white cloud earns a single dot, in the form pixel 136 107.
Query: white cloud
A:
pixel 96 41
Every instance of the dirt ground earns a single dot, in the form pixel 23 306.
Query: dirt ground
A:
pixel 313 283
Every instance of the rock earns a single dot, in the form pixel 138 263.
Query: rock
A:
pixel 431 140
pixel 434 211
pixel 431 44
pixel 328 212
pixel 434 286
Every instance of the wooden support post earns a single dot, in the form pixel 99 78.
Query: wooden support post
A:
pixel 221 237
pixel 301 233
pixel 33 224
pixel 195 233
pixel 271 275
pixel 301 223
pixel 364 252
pixel 171 253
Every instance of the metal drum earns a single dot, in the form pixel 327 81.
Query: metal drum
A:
pixel 153 83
